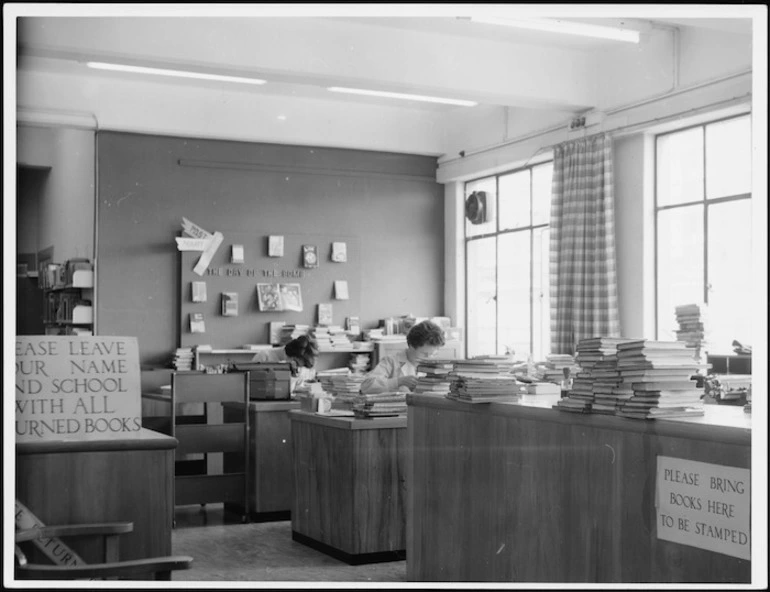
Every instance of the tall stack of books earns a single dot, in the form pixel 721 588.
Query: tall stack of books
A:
pixel 379 405
pixel 291 332
pixel 692 328
pixel 183 359
pixel 483 379
pixel 321 335
pixel 434 376
pixel 342 385
pixel 359 363
pixel 339 337
pixel 596 357
pixel 660 374
pixel 607 386
pixel 552 370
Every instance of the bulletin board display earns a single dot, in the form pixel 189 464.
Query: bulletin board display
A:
pixel 234 312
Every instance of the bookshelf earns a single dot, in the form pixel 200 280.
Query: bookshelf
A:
pixel 68 297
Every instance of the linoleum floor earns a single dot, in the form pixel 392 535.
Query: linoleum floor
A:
pixel 226 550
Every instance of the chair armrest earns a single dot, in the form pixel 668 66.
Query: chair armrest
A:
pixel 45 532
pixel 134 567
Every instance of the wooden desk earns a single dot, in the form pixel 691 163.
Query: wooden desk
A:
pixel 349 491
pixel 270 484
pixel 104 480
pixel 508 492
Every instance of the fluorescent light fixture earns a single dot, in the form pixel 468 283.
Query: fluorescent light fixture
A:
pixel 177 73
pixel 566 27
pixel 393 95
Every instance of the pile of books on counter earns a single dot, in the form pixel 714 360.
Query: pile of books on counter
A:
pixel 434 376
pixel 342 385
pixel 291 332
pixel 379 405
pixel 660 374
pixel 692 320
pixel 552 370
pixel 483 379
pixel 597 361
pixel 183 359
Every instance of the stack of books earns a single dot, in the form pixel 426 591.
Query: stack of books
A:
pixel 322 338
pixel 379 405
pixel 660 374
pixel 290 332
pixel 692 328
pixel 342 385
pixel 183 359
pixel 340 338
pixel 596 358
pixel 552 370
pixel 483 379
pixel 359 363
pixel 608 390
pixel 434 376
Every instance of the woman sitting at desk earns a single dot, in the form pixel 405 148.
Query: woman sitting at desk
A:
pixel 300 353
pixel 399 372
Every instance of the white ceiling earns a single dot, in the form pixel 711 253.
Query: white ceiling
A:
pixel 432 55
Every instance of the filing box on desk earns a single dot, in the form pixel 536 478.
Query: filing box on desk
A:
pixel 268 380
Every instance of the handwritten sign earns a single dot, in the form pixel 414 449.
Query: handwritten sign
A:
pixel 186 243
pixel 704 505
pixel 193 230
pixel 76 388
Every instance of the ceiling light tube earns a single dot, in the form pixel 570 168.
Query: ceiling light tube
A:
pixel 394 95
pixel 566 27
pixel 177 73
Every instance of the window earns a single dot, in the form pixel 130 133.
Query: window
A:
pixel 507 265
pixel 703 227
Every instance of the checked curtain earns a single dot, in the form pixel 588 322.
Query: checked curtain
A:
pixel 583 278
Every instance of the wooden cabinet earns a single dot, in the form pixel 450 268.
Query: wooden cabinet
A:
pixel 115 480
pixel 68 292
pixel 270 481
pixel 510 492
pixel 349 487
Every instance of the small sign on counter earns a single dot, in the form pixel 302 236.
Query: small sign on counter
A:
pixel 704 505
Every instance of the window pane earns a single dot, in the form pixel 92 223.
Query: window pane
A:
pixel 679 167
pixel 729 275
pixel 513 306
pixel 541 302
pixel 487 185
pixel 514 200
pixel 728 157
pixel 481 296
pixel 680 264
pixel 542 175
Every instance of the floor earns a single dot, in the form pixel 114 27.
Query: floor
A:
pixel 225 549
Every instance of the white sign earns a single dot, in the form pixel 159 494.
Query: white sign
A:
pixel 704 505
pixel 76 388
pixel 208 253
pixel 193 230
pixel 53 547
pixel 186 243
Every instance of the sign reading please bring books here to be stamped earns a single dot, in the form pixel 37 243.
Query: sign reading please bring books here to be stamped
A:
pixel 76 388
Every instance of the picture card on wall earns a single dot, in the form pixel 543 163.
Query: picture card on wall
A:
pixel 199 291
pixel 339 252
pixel 275 332
pixel 341 290
pixel 325 315
pixel 230 304
pixel 269 297
pixel 237 254
pixel 275 246
pixel 197 324
pixel 291 297
pixel 310 256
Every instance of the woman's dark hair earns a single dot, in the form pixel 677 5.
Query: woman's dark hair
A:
pixel 425 333
pixel 302 349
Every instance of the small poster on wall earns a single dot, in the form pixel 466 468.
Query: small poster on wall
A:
pixel 291 297
pixel 279 297
pixel 199 291
pixel 197 324
pixel 325 316
pixel 341 290
pixel 230 304
pixel 339 252
pixel 275 246
pixel 310 256
pixel 237 254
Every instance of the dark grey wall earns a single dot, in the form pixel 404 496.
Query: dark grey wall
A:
pixel 389 202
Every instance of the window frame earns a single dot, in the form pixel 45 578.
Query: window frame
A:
pixel 704 201
pixel 531 228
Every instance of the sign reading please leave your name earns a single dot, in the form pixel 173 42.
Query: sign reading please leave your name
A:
pixel 76 388
pixel 704 505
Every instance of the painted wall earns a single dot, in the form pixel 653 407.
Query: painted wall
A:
pixel 389 201
pixel 65 210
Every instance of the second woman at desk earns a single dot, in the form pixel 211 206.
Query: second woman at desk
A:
pixel 300 353
pixel 399 372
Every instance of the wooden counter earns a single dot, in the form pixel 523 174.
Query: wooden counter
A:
pixel 349 492
pixel 103 480
pixel 521 492
pixel 270 482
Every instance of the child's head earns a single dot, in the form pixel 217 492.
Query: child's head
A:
pixel 425 338
pixel 303 350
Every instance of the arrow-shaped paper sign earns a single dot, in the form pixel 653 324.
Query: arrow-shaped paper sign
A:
pixel 208 253
pixel 194 230
pixel 185 243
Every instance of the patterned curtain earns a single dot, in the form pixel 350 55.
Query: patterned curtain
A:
pixel 583 280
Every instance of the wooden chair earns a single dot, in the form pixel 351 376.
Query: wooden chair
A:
pixel 158 568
